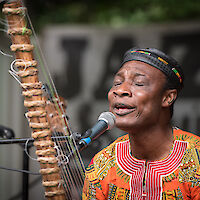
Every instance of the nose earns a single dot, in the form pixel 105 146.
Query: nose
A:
pixel 123 90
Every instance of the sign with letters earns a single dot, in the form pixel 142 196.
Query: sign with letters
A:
pixel 83 61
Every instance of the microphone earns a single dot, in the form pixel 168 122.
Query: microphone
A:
pixel 106 121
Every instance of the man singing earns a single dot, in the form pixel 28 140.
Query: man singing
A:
pixel 153 160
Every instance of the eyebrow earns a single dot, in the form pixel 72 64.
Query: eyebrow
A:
pixel 138 74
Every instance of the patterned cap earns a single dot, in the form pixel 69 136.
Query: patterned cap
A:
pixel 159 60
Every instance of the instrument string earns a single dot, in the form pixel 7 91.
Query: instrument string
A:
pixel 3 22
pixel 3 30
pixel 13 73
pixel 66 173
pixel 5 54
pixel 26 150
pixel 66 165
pixel 63 148
pixel 72 169
pixel 63 161
pixel 13 23
pixel 54 91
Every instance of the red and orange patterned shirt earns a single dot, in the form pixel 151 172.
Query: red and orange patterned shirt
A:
pixel 115 174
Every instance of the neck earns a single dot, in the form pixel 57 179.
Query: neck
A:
pixel 152 143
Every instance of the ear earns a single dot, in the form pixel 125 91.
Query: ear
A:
pixel 169 97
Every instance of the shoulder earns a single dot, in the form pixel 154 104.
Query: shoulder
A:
pixel 189 169
pixel 104 160
pixel 109 152
pixel 192 139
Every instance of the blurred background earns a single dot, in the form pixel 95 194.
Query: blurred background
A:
pixel 83 42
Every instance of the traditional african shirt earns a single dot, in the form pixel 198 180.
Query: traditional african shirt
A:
pixel 115 174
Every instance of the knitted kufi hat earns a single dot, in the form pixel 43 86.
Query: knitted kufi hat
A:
pixel 159 60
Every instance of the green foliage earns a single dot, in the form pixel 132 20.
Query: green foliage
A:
pixel 113 13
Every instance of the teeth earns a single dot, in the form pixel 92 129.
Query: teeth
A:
pixel 123 107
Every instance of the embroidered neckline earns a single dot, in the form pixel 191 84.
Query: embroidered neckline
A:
pixel 155 170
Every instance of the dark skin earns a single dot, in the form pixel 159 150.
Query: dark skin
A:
pixel 141 106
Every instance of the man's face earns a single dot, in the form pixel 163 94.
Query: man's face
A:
pixel 136 95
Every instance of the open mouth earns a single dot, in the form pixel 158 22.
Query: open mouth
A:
pixel 123 109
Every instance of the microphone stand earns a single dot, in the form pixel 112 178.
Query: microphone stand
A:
pixel 25 140
pixel 25 176
pixel 81 140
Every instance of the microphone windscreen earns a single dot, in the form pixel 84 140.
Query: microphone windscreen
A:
pixel 109 118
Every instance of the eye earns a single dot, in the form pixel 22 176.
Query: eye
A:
pixel 139 84
pixel 140 80
pixel 116 83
